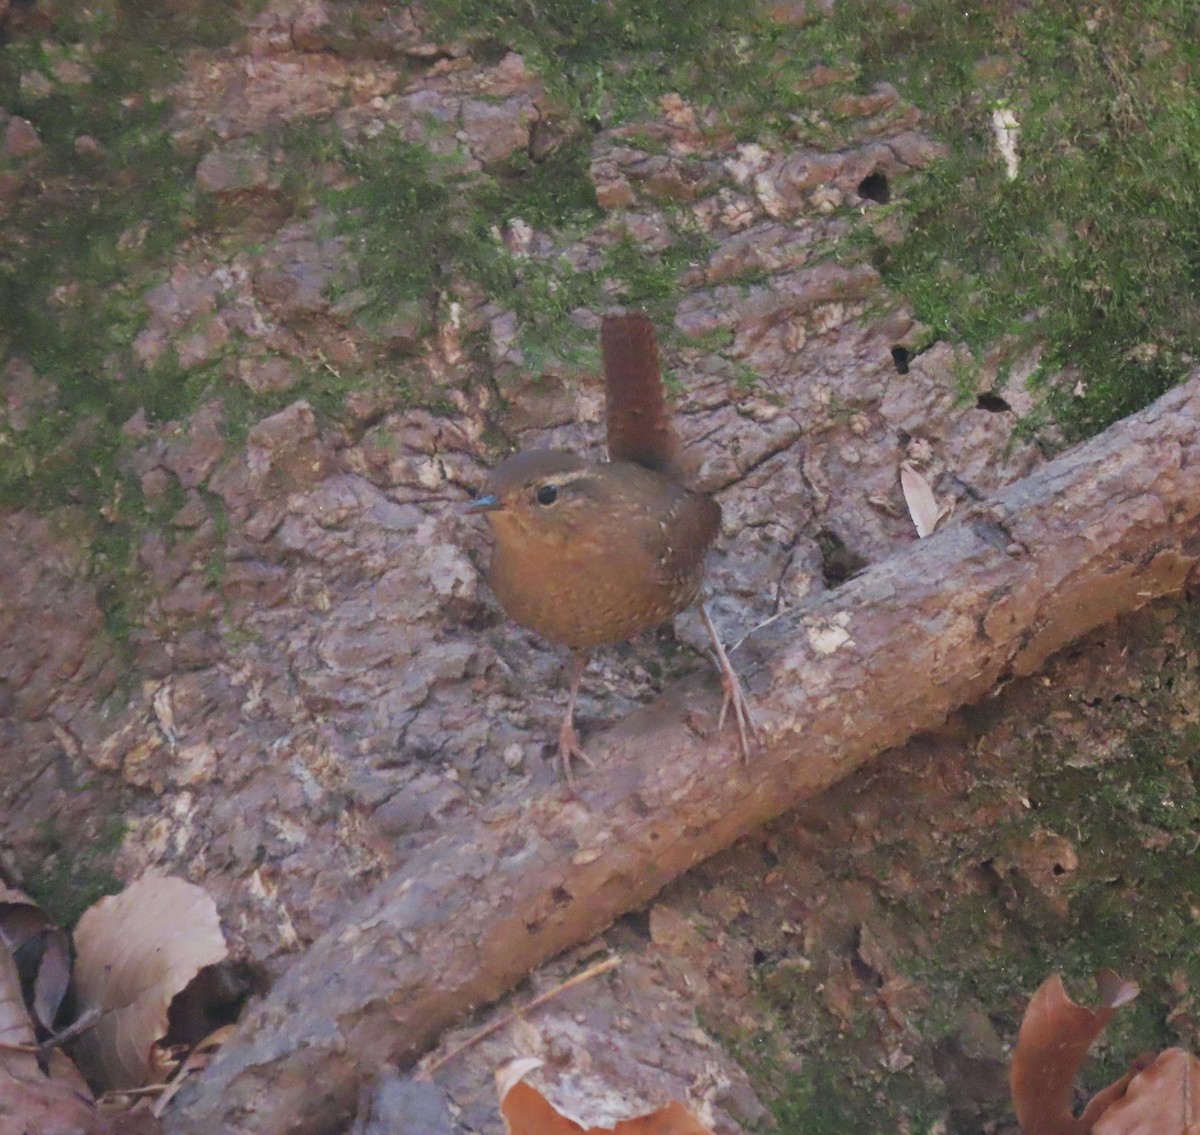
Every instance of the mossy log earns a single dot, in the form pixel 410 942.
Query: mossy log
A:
pixel 1100 531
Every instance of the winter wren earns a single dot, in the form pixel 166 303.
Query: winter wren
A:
pixel 592 553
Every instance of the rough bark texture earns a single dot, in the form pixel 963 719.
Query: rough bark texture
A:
pixel 1100 531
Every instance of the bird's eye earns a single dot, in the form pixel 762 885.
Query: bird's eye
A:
pixel 547 494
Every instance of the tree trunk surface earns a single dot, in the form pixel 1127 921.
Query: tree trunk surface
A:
pixel 1100 531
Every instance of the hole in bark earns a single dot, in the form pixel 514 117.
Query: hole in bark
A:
pixel 838 563
pixel 490 51
pixel 992 402
pixel 900 358
pixel 760 956
pixel 560 896
pixel 1058 869
pixel 865 973
pixel 989 878
pixel 636 922
pixel 480 617
pixel 212 999
pixel 860 967
pixel 543 141
pixel 875 187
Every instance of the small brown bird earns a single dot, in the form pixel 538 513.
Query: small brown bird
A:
pixel 593 553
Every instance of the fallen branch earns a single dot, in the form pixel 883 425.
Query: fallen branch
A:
pixel 1098 532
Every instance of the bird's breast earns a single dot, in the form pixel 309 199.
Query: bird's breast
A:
pixel 622 571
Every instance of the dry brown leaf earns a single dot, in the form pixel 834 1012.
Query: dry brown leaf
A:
pixel 32 1100
pixel 15 1024
pixel 41 951
pixel 1163 1099
pixel 527 1112
pixel 923 506
pixel 1055 1036
pixel 36 1102
pixel 134 952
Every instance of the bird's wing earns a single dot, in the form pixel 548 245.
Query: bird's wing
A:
pixel 688 527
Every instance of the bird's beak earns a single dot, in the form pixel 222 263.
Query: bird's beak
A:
pixel 489 503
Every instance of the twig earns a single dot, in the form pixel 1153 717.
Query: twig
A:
pixel 84 1022
pixel 755 629
pixel 117 1094
pixel 487 1030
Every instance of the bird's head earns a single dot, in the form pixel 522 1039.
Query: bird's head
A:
pixel 537 493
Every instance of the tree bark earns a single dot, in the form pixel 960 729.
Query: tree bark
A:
pixel 1098 532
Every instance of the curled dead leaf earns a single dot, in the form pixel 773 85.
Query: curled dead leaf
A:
pixel 923 506
pixel 41 952
pixel 527 1112
pixel 15 1024
pixel 135 952
pixel 510 1074
pixel 1055 1036
pixel 36 1101
pixel 1163 1097
pixel 36 1095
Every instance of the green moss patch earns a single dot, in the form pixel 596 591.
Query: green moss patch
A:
pixel 418 230
pixel 74 874
pixel 81 239
pixel 1094 247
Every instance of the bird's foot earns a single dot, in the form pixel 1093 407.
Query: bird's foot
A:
pixel 734 697
pixel 569 749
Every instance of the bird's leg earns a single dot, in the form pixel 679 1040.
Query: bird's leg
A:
pixel 734 698
pixel 568 739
